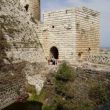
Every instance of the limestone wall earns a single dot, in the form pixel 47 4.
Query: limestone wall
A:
pixel 33 8
pixel 99 58
pixel 12 84
pixel 59 30
pixel 75 32
pixel 8 96
pixel 20 33
pixel 87 32
pixel 18 43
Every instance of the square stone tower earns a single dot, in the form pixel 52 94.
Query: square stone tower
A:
pixel 32 7
pixel 87 32
pixel 70 34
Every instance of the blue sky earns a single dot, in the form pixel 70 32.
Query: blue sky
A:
pixel 102 6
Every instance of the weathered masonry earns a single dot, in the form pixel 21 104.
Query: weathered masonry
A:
pixel 32 7
pixel 19 46
pixel 70 34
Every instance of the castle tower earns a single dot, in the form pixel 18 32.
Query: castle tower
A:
pixel 33 7
pixel 70 35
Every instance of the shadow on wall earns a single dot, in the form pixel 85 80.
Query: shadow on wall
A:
pixel 25 106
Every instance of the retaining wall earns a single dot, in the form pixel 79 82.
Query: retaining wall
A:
pixel 99 59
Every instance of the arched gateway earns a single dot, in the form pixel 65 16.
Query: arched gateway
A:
pixel 54 55
pixel 54 52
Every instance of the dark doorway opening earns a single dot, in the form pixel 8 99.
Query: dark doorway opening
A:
pixel 54 52
pixel 54 55
pixel 26 7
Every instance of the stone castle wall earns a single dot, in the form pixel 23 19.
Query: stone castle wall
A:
pixel 99 58
pixel 87 32
pixel 19 43
pixel 12 84
pixel 75 32
pixel 9 94
pixel 59 30
pixel 33 8
pixel 20 33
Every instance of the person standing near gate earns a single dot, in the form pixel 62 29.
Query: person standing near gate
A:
pixel 53 60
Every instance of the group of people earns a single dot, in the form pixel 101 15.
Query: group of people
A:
pixel 52 61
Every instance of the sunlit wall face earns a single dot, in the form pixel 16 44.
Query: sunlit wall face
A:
pixel 101 6
pixel 32 7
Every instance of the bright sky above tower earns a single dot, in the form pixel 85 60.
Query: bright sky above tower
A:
pixel 102 6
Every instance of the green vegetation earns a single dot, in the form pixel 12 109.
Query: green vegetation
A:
pixel 99 94
pixel 70 89
pixel 65 73
pixel 62 91
pixel 63 78
pixel 32 93
pixel 47 108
